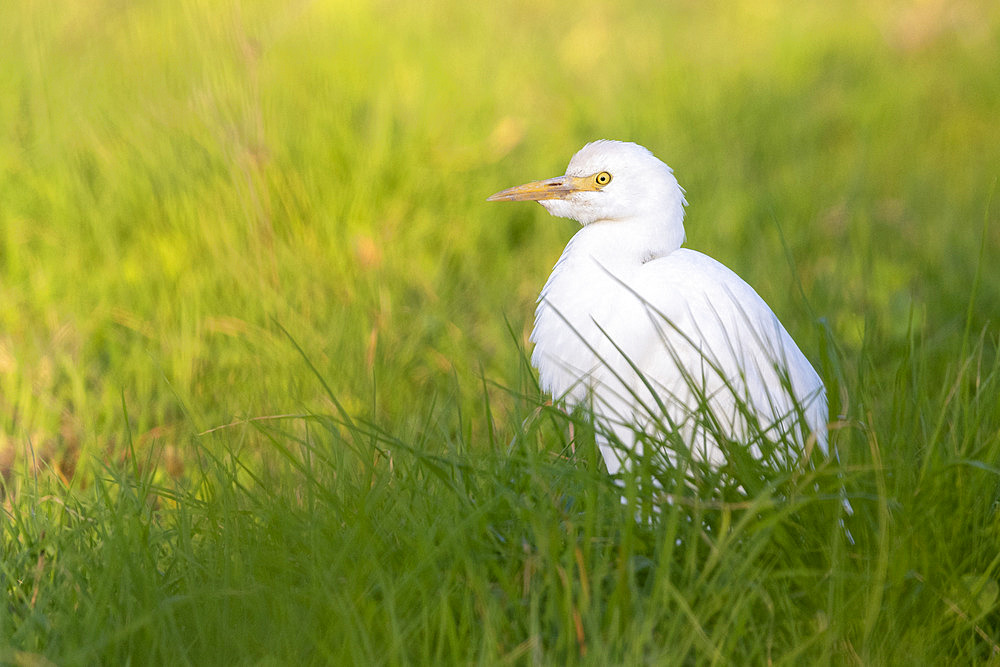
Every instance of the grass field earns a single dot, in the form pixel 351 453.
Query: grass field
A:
pixel 264 395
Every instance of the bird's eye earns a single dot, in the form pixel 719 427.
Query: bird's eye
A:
pixel 602 178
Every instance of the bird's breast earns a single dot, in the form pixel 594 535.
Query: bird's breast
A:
pixel 580 309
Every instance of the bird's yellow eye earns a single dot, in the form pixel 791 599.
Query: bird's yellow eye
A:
pixel 602 178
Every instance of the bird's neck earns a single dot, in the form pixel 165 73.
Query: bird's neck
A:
pixel 625 243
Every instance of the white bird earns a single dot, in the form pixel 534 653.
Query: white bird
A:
pixel 646 333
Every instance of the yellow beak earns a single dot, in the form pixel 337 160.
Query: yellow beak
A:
pixel 552 188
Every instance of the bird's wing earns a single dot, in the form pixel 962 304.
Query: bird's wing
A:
pixel 705 337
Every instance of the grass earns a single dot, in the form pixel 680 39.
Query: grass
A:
pixel 183 183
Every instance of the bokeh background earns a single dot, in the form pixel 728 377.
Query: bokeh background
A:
pixel 180 181
pixel 264 396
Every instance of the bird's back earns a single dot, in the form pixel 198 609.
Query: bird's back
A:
pixel 680 334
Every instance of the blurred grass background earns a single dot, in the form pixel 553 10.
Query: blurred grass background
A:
pixel 181 181
pixel 177 178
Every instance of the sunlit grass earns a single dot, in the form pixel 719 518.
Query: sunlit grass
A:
pixel 183 183
pixel 332 540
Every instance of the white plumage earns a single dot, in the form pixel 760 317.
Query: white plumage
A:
pixel 645 332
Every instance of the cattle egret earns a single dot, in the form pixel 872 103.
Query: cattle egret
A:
pixel 649 335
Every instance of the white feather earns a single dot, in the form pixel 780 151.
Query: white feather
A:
pixel 627 310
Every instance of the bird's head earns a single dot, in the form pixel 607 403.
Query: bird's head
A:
pixel 607 181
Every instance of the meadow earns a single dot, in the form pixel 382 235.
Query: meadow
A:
pixel 264 389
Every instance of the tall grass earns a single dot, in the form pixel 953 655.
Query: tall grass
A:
pixel 179 182
pixel 339 542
